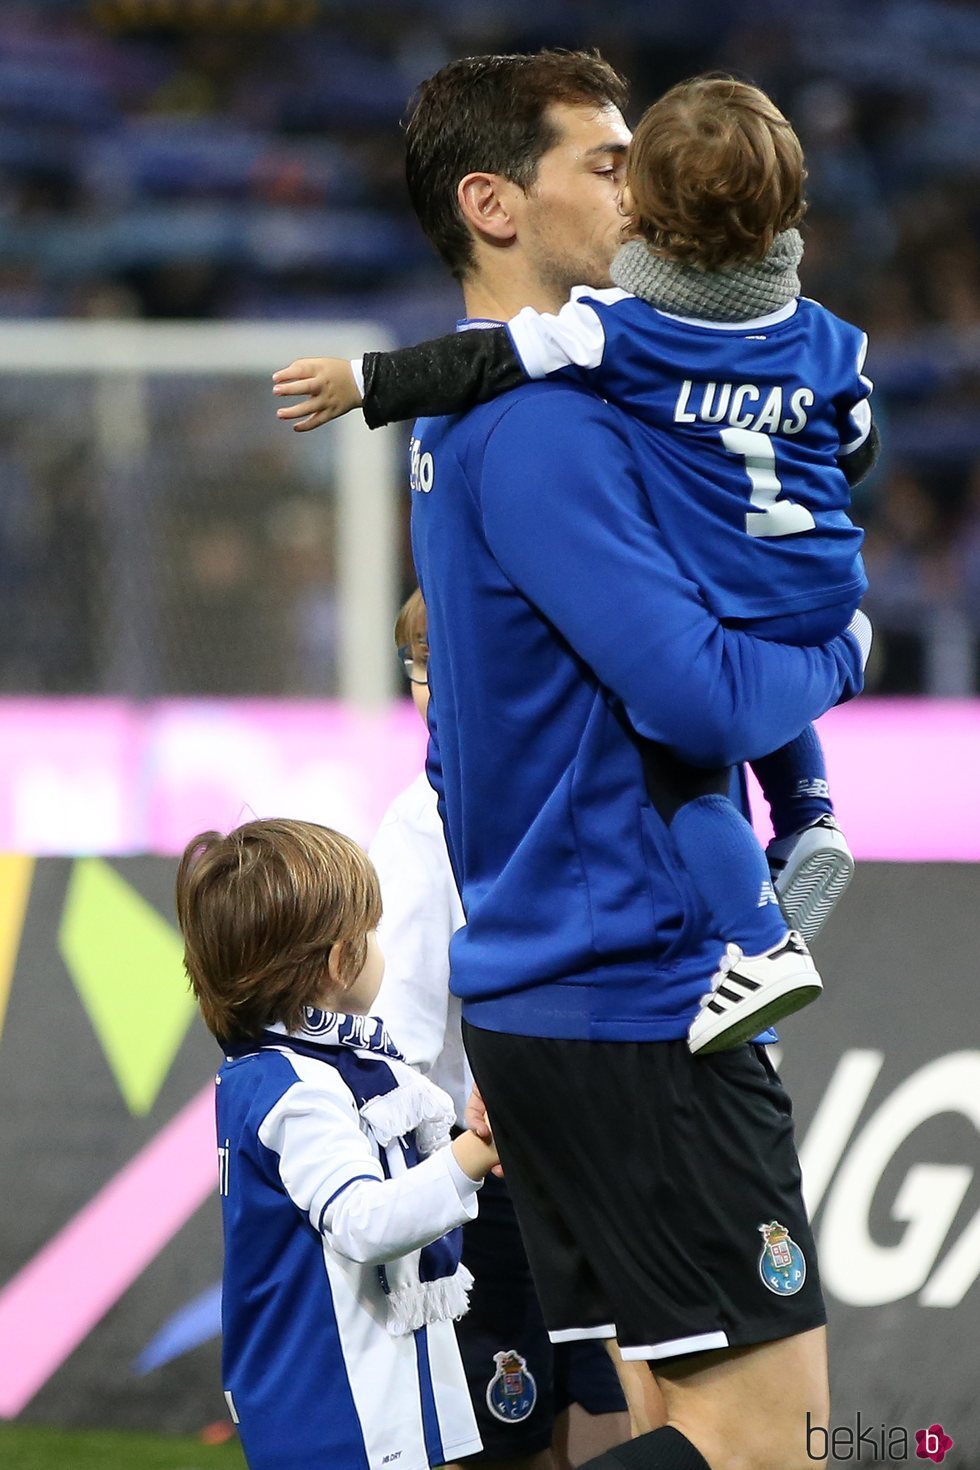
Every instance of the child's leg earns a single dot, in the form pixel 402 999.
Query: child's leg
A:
pixel 809 859
pixel 794 783
pixel 794 778
pixel 718 848
pixel 766 971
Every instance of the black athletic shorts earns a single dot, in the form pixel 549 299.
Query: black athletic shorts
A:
pixel 658 1193
pixel 518 1379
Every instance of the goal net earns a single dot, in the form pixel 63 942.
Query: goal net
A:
pixel 162 533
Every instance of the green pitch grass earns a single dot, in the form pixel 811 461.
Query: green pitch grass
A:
pixel 23 1448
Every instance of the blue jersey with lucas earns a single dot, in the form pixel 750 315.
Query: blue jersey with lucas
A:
pixel 761 414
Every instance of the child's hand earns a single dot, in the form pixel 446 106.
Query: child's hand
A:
pixel 328 385
pixel 477 1157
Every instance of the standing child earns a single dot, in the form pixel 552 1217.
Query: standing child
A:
pixel 764 394
pixel 340 1190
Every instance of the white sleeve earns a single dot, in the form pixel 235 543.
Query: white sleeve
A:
pixel 545 343
pixel 416 927
pixel 856 425
pixel 330 1172
pixel 372 1222
pixel 315 1130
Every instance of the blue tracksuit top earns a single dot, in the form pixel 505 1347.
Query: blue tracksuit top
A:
pixel 558 624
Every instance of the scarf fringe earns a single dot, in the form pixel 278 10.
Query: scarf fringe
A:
pixel 415 1104
pixel 411 1307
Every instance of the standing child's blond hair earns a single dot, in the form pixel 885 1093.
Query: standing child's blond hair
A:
pixel 261 910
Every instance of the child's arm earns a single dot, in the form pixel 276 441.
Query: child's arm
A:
pixel 476 1156
pixel 452 373
pixel 859 463
pixel 375 1221
pixel 446 375
pixel 329 1170
pixel 859 441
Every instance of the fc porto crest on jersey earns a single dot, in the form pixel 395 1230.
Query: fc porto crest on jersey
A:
pixel 782 1264
pixel 512 1392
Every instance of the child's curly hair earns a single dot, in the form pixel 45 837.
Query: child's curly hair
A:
pixel 715 173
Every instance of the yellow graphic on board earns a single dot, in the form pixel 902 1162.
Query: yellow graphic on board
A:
pixel 16 872
pixel 127 964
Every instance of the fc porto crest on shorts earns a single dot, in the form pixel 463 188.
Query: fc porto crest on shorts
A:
pixel 782 1264
pixel 512 1392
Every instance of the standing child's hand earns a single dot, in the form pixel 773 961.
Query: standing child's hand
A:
pixel 326 385
pixel 477 1157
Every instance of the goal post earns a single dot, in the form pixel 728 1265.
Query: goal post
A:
pixel 121 358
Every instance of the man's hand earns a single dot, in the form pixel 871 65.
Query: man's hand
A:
pixel 477 1121
pixel 326 385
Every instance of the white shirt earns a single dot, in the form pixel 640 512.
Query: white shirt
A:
pixel 422 911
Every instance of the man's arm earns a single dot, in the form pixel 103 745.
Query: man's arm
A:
pixel 568 518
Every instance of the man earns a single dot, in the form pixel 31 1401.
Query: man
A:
pixel 658 1193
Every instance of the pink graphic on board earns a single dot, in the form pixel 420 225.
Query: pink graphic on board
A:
pixel 102 776
pixel 94 1259
pixel 905 778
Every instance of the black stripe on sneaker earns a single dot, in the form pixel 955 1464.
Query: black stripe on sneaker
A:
pixel 731 995
pixel 745 980
pixel 714 1006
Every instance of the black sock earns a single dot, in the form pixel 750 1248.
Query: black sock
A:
pixel 662 1449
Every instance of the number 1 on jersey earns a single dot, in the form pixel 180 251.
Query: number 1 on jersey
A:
pixel 770 516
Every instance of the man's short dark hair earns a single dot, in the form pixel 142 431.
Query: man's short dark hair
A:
pixel 488 114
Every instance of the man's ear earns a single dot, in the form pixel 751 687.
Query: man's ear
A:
pixel 483 203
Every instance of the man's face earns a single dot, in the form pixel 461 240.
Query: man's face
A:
pixel 571 225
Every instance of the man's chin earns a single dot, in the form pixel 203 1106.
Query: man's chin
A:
pixel 597 277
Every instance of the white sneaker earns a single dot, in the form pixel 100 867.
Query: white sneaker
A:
pixel 750 992
pixel 810 871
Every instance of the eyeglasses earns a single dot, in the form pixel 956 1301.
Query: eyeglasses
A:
pixel 417 669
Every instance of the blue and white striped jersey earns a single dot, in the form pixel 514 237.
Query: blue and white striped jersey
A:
pixel 311 1205
pixel 756 506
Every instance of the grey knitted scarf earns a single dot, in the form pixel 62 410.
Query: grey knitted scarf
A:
pixel 733 295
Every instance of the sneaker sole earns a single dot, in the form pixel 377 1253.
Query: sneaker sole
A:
pixel 727 1032
pixel 814 889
